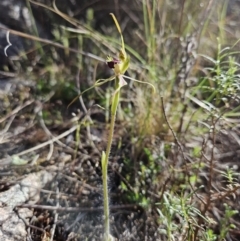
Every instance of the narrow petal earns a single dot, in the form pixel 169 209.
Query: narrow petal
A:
pixel 122 81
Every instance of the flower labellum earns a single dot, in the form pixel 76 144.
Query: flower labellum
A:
pixel 111 62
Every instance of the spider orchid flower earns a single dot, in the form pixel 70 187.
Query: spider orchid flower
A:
pixel 119 66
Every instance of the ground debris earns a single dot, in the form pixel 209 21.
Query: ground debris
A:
pixel 13 221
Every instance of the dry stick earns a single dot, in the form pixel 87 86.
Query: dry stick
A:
pixel 37 228
pixel 184 158
pixel 15 111
pixel 51 145
pixel 48 142
pixel 198 33
pixel 212 160
pixel 211 170
pixel 73 21
pixel 55 216
pixel 181 18
pixel 46 41
pixel 171 129
pixel 125 181
pixel 50 135
pixel 6 128
pixel 179 145
pixel 78 82
pixel 8 74
pixel 9 44
pixel 74 209
pixel 222 195
pixel 204 18
pixel 211 165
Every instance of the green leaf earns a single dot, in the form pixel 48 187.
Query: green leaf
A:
pixel 16 160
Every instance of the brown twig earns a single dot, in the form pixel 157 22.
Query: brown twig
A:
pixel 75 209
pixel 15 111
pixel 55 216
pixel 46 41
pixel 173 133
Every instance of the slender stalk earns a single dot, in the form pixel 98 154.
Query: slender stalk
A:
pixel 105 198
pixel 112 123
pixel 105 158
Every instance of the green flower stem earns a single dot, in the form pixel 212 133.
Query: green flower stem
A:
pixel 105 158
pixel 105 199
